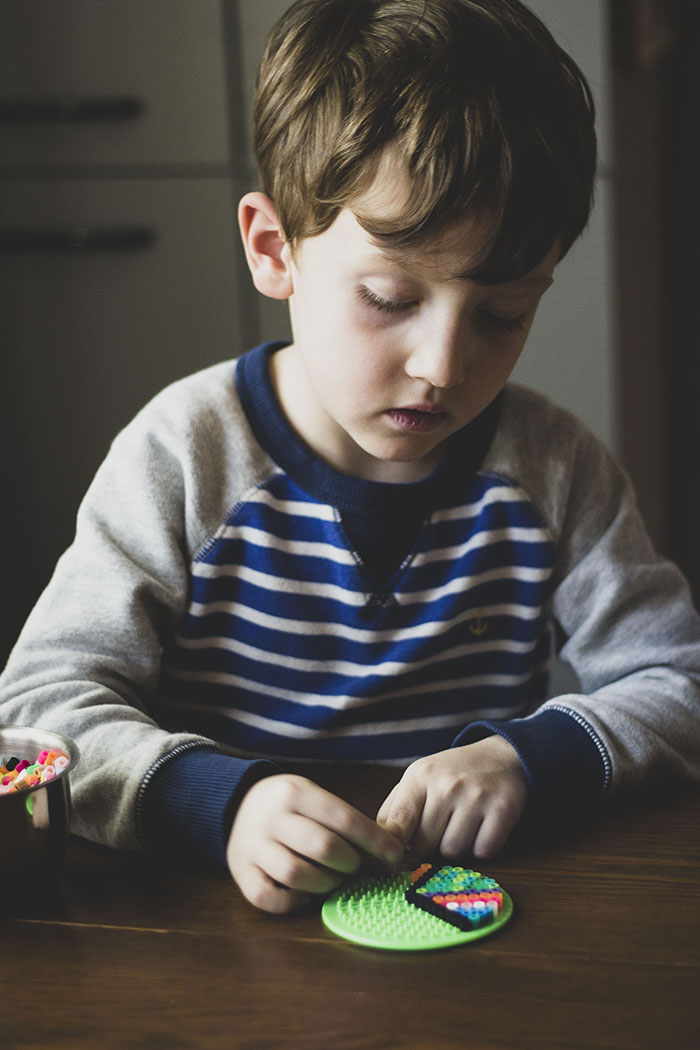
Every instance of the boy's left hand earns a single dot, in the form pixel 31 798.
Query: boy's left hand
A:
pixel 456 802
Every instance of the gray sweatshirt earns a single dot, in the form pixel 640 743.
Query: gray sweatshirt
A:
pixel 150 648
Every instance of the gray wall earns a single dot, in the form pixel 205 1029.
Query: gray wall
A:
pixel 570 352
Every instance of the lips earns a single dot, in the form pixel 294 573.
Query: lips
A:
pixel 417 418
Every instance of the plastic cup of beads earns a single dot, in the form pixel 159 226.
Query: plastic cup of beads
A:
pixel 35 808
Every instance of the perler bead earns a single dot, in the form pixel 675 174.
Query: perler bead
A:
pixel 463 897
pixel 20 774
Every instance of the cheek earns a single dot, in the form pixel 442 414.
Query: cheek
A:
pixel 366 353
pixel 355 375
pixel 376 370
pixel 503 359
pixel 488 378
pixel 503 366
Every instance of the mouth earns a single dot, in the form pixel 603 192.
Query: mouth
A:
pixel 417 418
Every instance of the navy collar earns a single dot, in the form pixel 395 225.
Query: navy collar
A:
pixel 464 453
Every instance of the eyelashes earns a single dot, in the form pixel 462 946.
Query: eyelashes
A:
pixel 388 306
pixel 486 317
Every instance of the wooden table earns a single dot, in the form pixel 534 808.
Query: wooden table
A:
pixel 603 951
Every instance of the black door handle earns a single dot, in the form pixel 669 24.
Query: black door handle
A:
pixel 70 110
pixel 78 239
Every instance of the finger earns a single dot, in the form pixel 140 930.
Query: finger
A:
pixel 264 893
pixel 320 845
pixel 354 827
pixel 430 829
pixel 492 834
pixel 296 872
pixel 400 813
pixel 459 836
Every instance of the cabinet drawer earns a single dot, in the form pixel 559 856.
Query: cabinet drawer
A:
pixel 88 336
pixel 113 82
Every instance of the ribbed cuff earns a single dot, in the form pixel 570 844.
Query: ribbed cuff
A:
pixel 189 804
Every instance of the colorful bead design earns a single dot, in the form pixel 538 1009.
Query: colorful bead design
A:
pixel 465 898
pixel 376 913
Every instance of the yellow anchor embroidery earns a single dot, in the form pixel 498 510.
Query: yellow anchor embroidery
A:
pixel 479 625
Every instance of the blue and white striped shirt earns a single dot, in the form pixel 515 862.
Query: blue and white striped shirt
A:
pixel 291 649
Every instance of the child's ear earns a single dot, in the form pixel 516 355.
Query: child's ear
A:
pixel 266 248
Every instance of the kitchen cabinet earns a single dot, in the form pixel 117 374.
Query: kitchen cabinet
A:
pixel 122 157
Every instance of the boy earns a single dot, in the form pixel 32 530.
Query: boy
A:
pixel 357 547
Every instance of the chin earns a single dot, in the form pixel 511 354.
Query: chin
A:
pixel 393 465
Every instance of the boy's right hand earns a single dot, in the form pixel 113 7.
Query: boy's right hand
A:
pixel 290 838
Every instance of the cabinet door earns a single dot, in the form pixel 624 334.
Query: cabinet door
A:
pixel 92 325
pixel 105 82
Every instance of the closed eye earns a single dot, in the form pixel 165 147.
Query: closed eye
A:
pixel 388 306
pixel 493 321
pixel 504 324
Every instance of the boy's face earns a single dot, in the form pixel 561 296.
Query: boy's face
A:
pixel 394 352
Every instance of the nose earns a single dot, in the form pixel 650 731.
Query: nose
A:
pixel 440 356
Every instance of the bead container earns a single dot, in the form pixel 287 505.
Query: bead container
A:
pixel 34 821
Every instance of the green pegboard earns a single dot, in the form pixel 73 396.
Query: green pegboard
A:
pixel 374 912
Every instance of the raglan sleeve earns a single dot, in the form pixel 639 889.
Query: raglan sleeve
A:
pixel 626 625
pixel 87 663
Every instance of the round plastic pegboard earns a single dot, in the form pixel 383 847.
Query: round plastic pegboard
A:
pixel 374 912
